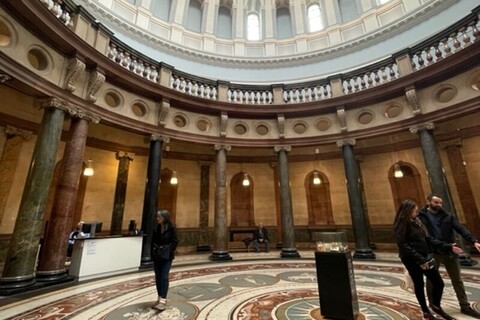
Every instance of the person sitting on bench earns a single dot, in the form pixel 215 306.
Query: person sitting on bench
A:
pixel 261 236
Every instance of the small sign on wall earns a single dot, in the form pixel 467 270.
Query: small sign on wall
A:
pixel 91 247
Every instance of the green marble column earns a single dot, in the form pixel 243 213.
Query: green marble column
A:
pixel 289 249
pixel 120 192
pixel 21 258
pixel 220 249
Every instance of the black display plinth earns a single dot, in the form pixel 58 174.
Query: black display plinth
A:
pixel 336 285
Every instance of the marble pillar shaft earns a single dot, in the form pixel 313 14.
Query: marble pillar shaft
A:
pixel 22 254
pixel 464 188
pixel 3 140
pixel 355 199
pixel 433 163
pixel 151 197
pixel 288 231
pixel 221 232
pixel 56 240
pixel 120 195
pixel 204 202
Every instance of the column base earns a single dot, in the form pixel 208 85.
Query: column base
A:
pixel 203 248
pixel 52 276
pixel 466 260
pixel 289 253
pixel 279 246
pixel 12 285
pixel 220 256
pixel 366 254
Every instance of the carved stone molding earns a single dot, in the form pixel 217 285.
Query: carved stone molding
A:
pixel 413 100
pixel 158 137
pixel 454 142
pixel 163 112
pixel 223 124
pixel 74 68
pixel 342 119
pixel 4 78
pixel 53 102
pixel 77 112
pixel 422 126
pixel 279 148
pixel 281 125
pixel 121 154
pixel 12 131
pixel 96 80
pixel 227 147
pixel 342 142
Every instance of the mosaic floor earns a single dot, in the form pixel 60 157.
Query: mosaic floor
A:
pixel 264 288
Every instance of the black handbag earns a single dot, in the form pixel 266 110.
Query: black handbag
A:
pixel 163 252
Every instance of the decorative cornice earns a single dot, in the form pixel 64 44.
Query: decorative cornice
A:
pixel 95 82
pixel 413 100
pixel 281 125
pixel 218 147
pixel 342 119
pixel 121 154
pixel 4 78
pixel 279 148
pixel 74 68
pixel 164 108
pixel 342 142
pixel 422 126
pixel 223 124
pixel 12 131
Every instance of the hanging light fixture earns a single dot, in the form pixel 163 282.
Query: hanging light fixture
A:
pixel 88 169
pixel 397 170
pixel 316 178
pixel 246 181
pixel 174 179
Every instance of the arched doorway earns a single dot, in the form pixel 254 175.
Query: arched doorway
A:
pixel 167 193
pixel 241 199
pixel 407 187
pixel 319 203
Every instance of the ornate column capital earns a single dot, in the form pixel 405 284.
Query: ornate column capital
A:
pixel 77 112
pixel 279 148
pixel 4 78
pixel 422 126
pixel 342 142
pixel 121 154
pixel 12 131
pixel 454 142
pixel 52 102
pixel 227 147
pixel 158 137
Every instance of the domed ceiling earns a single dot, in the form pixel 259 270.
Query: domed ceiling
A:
pixel 272 41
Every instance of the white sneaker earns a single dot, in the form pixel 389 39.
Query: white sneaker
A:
pixel 160 306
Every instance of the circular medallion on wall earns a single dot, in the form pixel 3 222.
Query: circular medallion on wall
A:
pixel 5 35
pixel 445 93
pixel 262 129
pixel 240 128
pixel 323 124
pixel 300 127
pixel 180 120
pixel 113 99
pixel 365 116
pixel 393 110
pixel 39 58
pixel 139 109
pixel 204 124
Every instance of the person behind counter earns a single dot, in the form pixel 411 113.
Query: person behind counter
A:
pixel 77 233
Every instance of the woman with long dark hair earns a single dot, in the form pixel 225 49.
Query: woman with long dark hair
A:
pixel 164 236
pixel 415 247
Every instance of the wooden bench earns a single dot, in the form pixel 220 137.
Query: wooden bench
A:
pixel 239 246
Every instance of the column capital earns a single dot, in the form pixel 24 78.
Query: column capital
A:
pixel 227 147
pixel 121 154
pixel 12 131
pixel 422 126
pixel 342 142
pixel 77 112
pixel 286 148
pixel 158 137
pixel 4 78
pixel 454 142
pixel 203 163
pixel 52 102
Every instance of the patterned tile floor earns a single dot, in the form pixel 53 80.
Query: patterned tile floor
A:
pixel 252 286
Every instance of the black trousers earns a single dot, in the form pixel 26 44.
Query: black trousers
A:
pixel 432 275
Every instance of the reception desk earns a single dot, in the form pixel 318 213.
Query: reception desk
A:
pixel 104 256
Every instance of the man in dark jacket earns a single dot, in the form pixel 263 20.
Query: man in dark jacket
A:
pixel 261 236
pixel 441 225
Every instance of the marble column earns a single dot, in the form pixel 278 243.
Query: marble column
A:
pixel 278 215
pixel 462 182
pixel 22 253
pixel 3 139
pixel 120 192
pixel 289 249
pixel 436 175
pixel 51 267
pixel 220 249
pixel 10 154
pixel 151 195
pixel 360 229
pixel 203 243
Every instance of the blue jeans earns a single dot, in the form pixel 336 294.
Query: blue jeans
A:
pixel 256 242
pixel 162 269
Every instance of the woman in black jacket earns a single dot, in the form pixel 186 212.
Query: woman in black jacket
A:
pixel 164 233
pixel 415 250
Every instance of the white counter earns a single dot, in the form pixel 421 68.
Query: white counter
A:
pixel 100 257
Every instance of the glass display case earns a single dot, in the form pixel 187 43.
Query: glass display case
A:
pixel 332 242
